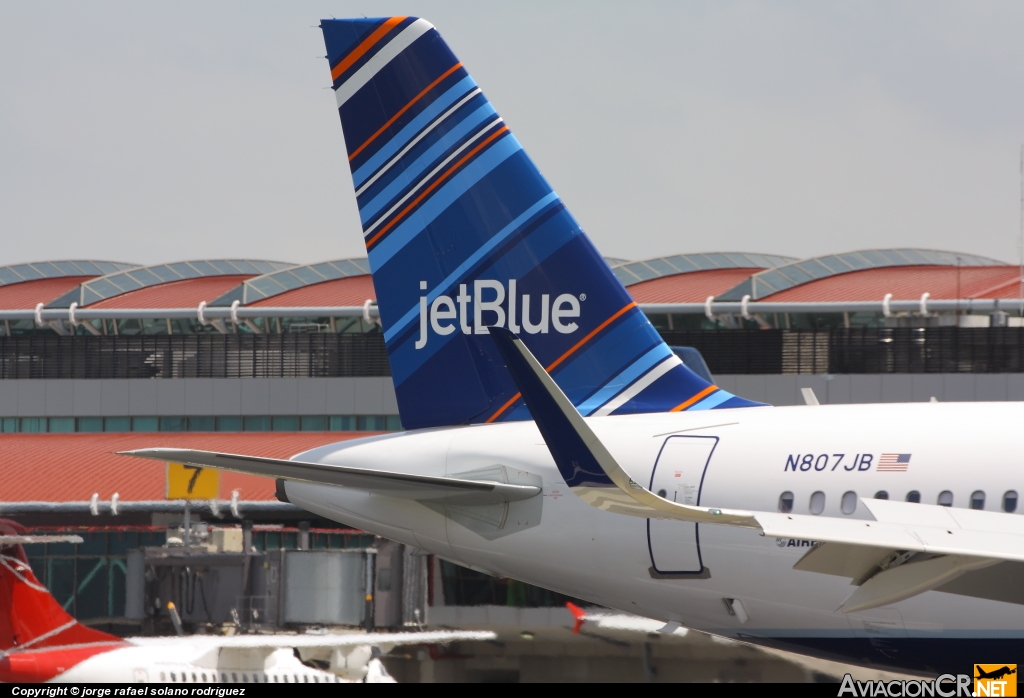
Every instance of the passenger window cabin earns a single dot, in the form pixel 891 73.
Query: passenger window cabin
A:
pixel 786 502
pixel 848 505
pixel 882 494
pixel 945 498
pixel 817 502
pixel 1010 501
pixel 977 500
pixel 914 497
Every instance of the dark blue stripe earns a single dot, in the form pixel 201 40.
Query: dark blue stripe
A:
pixel 425 116
pixel 371 209
pixel 408 210
pixel 373 51
pixel 342 36
pixel 457 233
pixel 407 359
pixel 391 89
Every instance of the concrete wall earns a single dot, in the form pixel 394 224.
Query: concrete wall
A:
pixel 197 397
pixel 374 396
pixel 845 389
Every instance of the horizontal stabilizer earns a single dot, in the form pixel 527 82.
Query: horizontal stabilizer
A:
pixel 402 485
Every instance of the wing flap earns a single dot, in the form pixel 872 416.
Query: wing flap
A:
pixel 903 581
pixel 895 536
pixel 403 485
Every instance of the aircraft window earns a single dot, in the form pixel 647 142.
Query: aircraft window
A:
pixel 662 493
pixel 978 500
pixel 914 497
pixel 849 503
pixel 194 678
pixel 881 494
pixel 945 498
pixel 316 679
pixel 305 678
pixel 786 502
pixel 223 677
pixel 234 677
pixel 817 502
pixel 1010 501
pixel 275 678
pixel 174 677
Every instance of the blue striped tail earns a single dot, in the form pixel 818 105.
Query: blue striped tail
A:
pixel 463 232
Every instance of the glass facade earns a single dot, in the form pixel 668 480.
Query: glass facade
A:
pixel 88 578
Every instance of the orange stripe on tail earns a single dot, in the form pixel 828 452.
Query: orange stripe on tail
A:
pixel 696 398
pixel 565 356
pixel 434 185
pixel 367 43
pixel 404 109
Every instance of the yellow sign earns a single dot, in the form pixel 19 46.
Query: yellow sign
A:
pixel 995 680
pixel 192 482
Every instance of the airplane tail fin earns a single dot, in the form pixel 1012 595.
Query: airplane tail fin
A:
pixel 463 232
pixel 30 618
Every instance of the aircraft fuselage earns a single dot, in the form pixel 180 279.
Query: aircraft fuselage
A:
pixel 738 459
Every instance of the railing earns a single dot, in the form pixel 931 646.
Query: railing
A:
pixel 840 350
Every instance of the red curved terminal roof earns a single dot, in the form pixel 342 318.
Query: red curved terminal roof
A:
pixel 175 294
pixel 351 290
pixel 29 293
pixel 906 283
pixel 70 467
pixel 691 287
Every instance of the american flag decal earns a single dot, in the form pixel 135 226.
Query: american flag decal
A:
pixel 893 463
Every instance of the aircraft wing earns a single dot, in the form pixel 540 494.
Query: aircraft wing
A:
pixel 403 485
pixel 905 550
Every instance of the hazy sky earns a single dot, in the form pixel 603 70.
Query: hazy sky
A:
pixel 153 132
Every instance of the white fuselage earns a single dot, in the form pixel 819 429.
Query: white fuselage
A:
pixel 182 662
pixel 676 571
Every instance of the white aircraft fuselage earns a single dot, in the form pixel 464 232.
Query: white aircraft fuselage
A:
pixel 683 572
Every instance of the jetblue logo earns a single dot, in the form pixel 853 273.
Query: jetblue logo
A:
pixel 494 304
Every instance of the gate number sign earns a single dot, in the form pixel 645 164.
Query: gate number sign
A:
pixel 192 482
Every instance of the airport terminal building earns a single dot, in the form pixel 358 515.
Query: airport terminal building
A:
pixel 272 358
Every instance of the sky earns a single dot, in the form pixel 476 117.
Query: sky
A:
pixel 160 131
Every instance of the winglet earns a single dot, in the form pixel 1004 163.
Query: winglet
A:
pixel 588 468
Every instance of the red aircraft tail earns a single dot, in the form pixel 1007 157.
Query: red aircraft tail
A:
pixel 30 618
pixel 578 614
